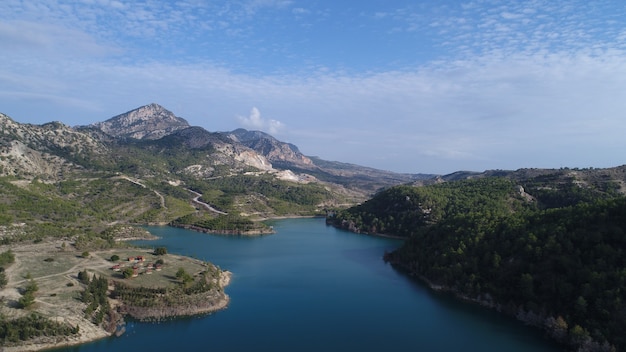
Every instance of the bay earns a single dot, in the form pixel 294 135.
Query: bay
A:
pixel 312 287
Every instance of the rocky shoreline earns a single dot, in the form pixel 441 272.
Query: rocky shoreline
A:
pixel 203 303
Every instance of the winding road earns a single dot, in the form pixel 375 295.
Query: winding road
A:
pixel 196 200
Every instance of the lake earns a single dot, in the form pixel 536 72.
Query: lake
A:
pixel 312 287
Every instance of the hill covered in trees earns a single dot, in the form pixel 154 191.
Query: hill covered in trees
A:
pixel 548 249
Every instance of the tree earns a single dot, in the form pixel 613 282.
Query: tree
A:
pixel 115 257
pixel 85 254
pixel 3 279
pixel 184 276
pixel 31 286
pixel 26 300
pixel 128 272
pixel 83 276
pixel 160 251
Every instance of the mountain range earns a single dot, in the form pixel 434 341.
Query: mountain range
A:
pixel 543 244
pixel 51 150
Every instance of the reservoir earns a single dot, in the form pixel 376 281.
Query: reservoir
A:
pixel 312 287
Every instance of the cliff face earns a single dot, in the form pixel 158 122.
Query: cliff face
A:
pixel 272 149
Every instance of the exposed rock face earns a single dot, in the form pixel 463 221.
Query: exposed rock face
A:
pixel 271 148
pixel 43 150
pixel 147 122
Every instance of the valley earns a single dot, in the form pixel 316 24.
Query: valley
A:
pixel 532 243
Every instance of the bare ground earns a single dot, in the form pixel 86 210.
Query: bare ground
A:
pixel 55 266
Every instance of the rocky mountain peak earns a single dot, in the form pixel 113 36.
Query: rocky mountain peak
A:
pixel 147 122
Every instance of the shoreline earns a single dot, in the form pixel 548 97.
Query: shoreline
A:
pixel 73 314
pixel 92 333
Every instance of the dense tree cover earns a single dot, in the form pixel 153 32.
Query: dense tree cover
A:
pixel 558 264
pixel 403 210
pixel 30 326
pixel 169 296
pixel 230 224
pixel 138 296
pixel 139 156
pixel 95 296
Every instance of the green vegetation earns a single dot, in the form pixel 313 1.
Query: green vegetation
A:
pixel 555 262
pixel 7 258
pixel 169 296
pixel 95 297
pixel 230 223
pixel 83 277
pixel 128 272
pixel 33 325
pixel 28 294
pixel 262 194
pixel 404 210
pixel 160 251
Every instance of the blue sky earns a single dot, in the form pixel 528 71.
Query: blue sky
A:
pixel 407 86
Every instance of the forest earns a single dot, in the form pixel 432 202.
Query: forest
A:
pixel 549 252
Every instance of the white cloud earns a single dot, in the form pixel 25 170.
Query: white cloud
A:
pixel 34 38
pixel 256 122
pixel 552 85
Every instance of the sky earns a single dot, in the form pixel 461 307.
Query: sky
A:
pixel 411 86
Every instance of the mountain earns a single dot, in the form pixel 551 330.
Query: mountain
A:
pixel 243 173
pixel 147 122
pixel 241 148
pixel 274 150
pixel 287 156
pixel 47 151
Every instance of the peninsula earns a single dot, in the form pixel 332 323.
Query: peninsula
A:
pixel 67 295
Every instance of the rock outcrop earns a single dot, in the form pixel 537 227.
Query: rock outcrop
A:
pixel 147 122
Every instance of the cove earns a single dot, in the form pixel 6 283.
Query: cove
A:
pixel 312 287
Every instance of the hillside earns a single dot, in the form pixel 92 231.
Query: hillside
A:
pixel 69 194
pixel 546 246
pixel 148 166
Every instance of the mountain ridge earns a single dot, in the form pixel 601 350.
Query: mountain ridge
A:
pixel 150 121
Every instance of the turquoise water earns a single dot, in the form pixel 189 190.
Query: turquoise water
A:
pixel 311 287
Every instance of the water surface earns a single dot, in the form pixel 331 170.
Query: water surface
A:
pixel 311 287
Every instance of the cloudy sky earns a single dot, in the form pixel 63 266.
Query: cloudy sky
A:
pixel 416 86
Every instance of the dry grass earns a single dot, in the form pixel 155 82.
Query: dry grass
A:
pixel 55 270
